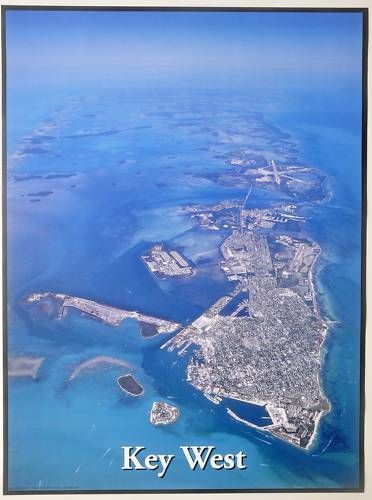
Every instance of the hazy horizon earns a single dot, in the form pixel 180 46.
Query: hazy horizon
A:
pixel 109 46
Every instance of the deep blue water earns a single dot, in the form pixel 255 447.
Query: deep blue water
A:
pixel 86 238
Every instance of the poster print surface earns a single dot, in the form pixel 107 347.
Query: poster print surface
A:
pixel 183 268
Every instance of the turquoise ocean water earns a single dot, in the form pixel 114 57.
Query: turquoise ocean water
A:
pixel 134 157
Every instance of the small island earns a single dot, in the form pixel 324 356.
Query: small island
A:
pixel 163 413
pixel 165 263
pixel 129 384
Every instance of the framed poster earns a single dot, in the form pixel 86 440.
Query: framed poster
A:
pixel 184 249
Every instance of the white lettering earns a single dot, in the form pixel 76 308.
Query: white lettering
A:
pixel 165 461
pixel 217 458
pixel 240 460
pixel 229 461
pixel 149 462
pixel 198 455
pixel 129 458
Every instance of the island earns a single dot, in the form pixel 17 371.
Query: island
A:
pixel 165 263
pixel 295 180
pixel 129 384
pixel 163 413
pixel 261 343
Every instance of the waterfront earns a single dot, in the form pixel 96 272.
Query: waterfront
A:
pixel 111 186
pixel 177 301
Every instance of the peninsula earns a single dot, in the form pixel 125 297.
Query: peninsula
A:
pixel 107 314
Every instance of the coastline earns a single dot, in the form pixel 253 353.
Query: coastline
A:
pixel 313 274
pixel 318 437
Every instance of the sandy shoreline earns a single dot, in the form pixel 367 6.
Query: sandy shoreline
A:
pixel 96 361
